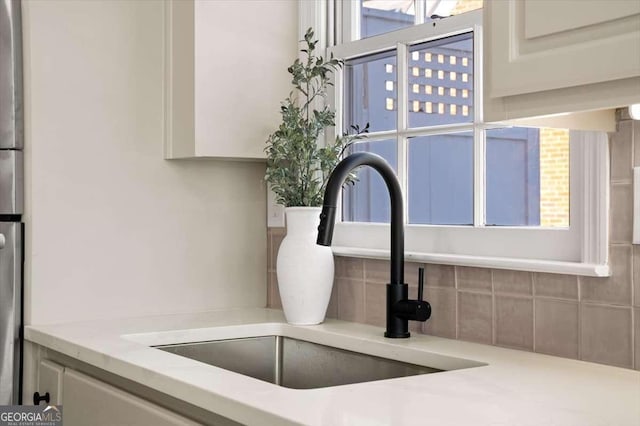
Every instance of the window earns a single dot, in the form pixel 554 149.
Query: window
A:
pixel 369 18
pixel 483 194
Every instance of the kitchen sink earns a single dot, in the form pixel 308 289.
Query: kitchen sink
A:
pixel 294 363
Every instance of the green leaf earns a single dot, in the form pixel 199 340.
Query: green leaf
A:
pixel 297 168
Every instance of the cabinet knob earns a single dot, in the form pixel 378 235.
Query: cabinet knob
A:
pixel 37 399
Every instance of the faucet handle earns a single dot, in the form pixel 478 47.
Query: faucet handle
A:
pixel 421 283
pixel 415 310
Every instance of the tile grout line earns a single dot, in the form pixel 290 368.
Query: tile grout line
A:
pixel 458 310
pixel 634 319
pixel 633 338
pixel 633 272
pixel 558 298
pixel 621 182
pixel 269 283
pixel 493 312
pixel 363 277
pixel 455 302
pixel 336 287
pixel 533 324
pixel 579 317
pixel 604 304
pixel 363 299
pixel 633 316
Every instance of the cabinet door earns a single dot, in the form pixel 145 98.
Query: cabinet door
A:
pixel 50 380
pixel 88 401
pixel 225 81
pixel 538 45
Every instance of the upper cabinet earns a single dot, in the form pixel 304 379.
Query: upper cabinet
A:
pixel 549 57
pixel 226 75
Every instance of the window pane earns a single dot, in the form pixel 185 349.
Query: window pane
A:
pixel 383 16
pixel 528 177
pixel 441 179
pixel 441 81
pixel 451 7
pixel 368 199
pixel 371 92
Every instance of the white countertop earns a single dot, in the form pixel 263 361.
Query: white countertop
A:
pixel 514 388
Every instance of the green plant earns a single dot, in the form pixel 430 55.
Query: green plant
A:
pixel 297 167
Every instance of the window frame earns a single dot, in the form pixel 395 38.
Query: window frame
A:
pixel 581 249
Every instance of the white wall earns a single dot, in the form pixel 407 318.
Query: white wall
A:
pixel 113 230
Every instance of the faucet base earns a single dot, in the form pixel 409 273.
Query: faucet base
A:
pixel 397 335
pixel 397 327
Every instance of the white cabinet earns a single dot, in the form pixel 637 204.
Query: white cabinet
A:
pixel 546 57
pixel 90 401
pixel 50 377
pixel 226 75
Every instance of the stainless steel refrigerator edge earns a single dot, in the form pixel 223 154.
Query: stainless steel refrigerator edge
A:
pixel 11 202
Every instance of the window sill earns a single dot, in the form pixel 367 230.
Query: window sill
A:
pixel 530 265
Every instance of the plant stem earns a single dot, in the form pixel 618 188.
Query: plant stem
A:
pixel 307 124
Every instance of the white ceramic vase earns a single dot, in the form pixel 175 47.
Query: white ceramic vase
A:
pixel 305 269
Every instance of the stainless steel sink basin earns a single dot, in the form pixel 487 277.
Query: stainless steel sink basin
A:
pixel 295 363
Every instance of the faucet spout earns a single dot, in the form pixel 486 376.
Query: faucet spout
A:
pixel 399 308
pixel 334 185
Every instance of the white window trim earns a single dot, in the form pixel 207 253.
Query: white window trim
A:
pixel 493 244
pixel 585 254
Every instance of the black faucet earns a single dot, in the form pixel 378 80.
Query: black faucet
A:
pixel 400 309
